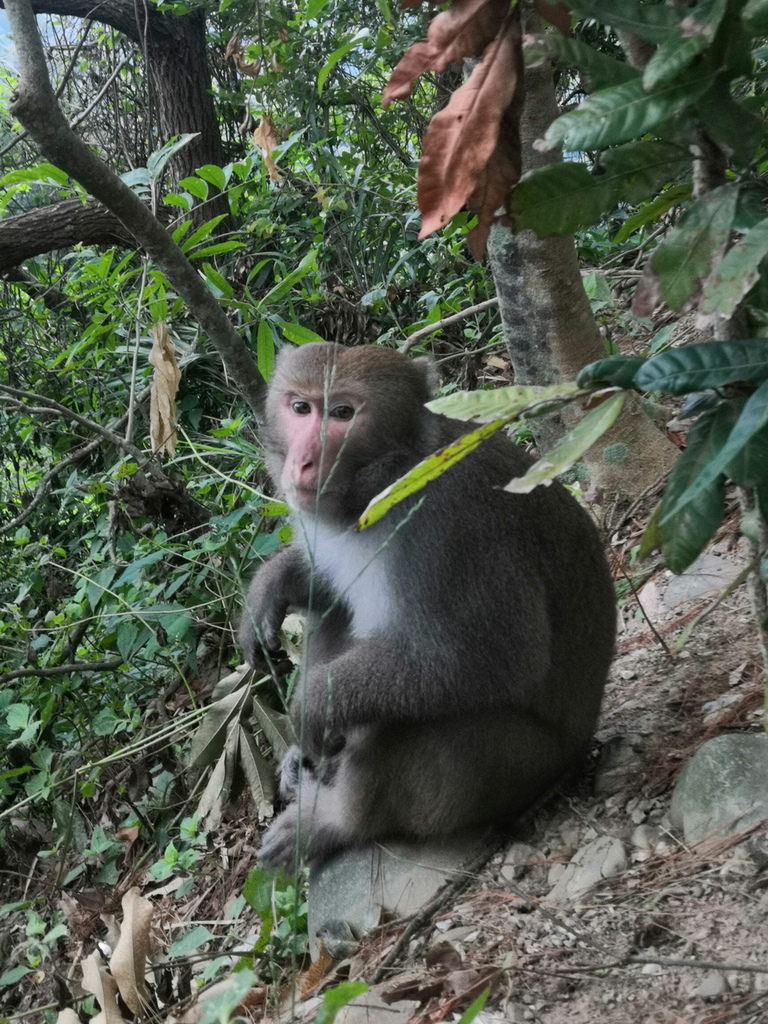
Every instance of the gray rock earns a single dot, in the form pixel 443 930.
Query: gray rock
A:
pixel 707 577
pixel 723 789
pixel 714 984
pixel 618 763
pixel 518 860
pixel 370 1008
pixel 400 878
pixel 600 859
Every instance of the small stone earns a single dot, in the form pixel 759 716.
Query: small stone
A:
pixel 712 985
pixel 652 969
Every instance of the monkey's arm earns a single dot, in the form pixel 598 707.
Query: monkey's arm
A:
pixel 280 584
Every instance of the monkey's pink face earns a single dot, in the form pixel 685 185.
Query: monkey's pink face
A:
pixel 314 439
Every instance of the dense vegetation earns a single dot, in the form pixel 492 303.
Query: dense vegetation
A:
pixel 122 571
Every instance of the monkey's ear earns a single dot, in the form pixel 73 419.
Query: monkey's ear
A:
pixel 428 369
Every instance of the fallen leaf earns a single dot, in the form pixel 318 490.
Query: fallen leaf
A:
pixel 99 982
pixel 129 959
pixel 165 386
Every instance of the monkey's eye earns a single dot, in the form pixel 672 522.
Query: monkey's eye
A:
pixel 301 408
pixel 342 412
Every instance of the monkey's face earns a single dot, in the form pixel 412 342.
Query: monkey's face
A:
pixel 318 431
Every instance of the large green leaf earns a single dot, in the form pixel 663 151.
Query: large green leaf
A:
pixel 753 418
pixel 652 211
pixel 709 365
pixel 685 258
pixel 501 403
pixel 685 532
pixel 575 443
pixel 615 371
pixel 729 122
pixel 737 273
pixel 673 56
pixel 424 471
pixel 651 22
pixel 560 198
pixel 625 112
pixel 603 71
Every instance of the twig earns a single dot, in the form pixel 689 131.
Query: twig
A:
pixel 439 324
pixel 58 670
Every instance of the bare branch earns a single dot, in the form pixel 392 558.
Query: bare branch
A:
pixel 439 324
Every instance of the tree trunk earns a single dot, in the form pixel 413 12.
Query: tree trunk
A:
pixel 550 330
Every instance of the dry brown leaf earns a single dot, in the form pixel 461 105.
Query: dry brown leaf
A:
pixel 165 385
pixel 234 50
pixel 99 982
pixel 130 956
pixel 311 978
pixel 233 47
pixel 265 138
pixel 467 158
pixel 464 30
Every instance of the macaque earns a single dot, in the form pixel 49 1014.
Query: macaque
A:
pixel 456 651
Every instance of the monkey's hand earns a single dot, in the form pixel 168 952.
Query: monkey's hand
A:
pixel 278 848
pixel 280 584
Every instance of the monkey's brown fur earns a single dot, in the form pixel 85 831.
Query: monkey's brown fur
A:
pixel 456 652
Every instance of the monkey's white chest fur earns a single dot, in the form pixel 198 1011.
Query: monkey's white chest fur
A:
pixel 356 569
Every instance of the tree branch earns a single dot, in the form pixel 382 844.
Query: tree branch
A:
pixel 34 104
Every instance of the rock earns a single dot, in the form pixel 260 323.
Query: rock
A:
pixel 713 984
pixel 401 879
pixel 598 860
pixel 370 1008
pixel 723 789
pixel 518 860
pixel 618 763
pixel 707 577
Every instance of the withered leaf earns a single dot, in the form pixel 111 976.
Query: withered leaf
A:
pixel 165 385
pixel 466 159
pixel 265 138
pixel 464 30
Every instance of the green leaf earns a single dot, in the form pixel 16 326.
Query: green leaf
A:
pixel 730 123
pixel 216 249
pixel 297 334
pixel 673 56
pixel 651 22
pixel 195 186
pixel 213 175
pixel 683 260
pixel 499 403
pixel 573 445
pixel 474 1008
pixel 685 533
pixel 603 71
pixel 616 371
pixel 204 231
pixel 336 998
pixel 157 161
pixel 652 211
pixel 426 470
pixel 132 571
pixel 708 365
pixel 265 349
pixel 336 56
pixel 752 420
pixel 190 941
pixel 127 633
pixel 651 535
pixel 40 172
pixel 13 975
pixel 624 112
pixel 562 197
pixel 221 1006
pixel 219 283
pixel 308 263
pixel 755 15
pixel 737 272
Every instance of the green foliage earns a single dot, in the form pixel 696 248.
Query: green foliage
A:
pixel 282 909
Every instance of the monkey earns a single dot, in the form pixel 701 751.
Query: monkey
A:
pixel 456 651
